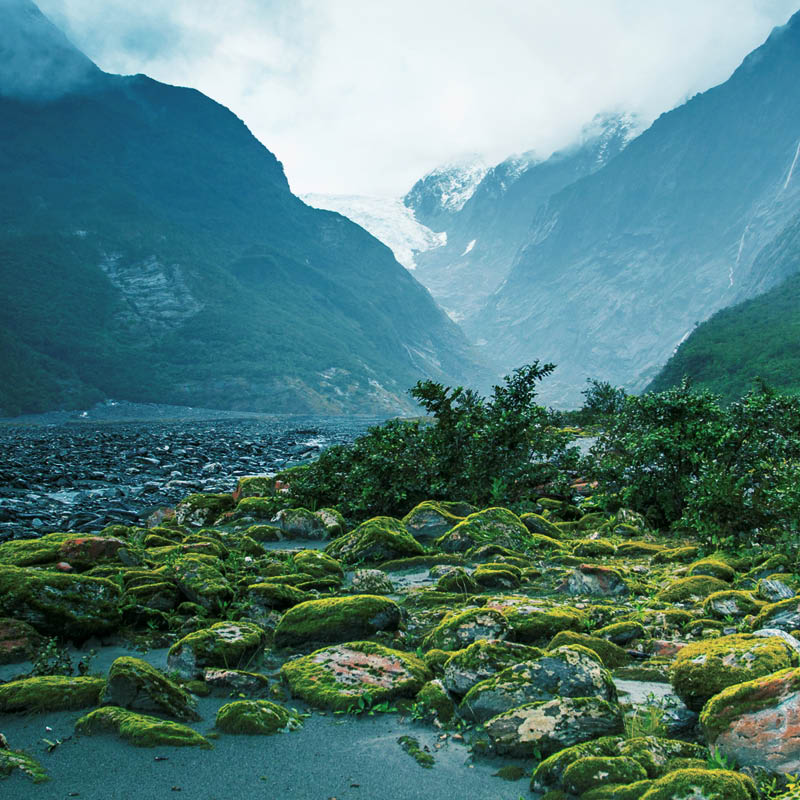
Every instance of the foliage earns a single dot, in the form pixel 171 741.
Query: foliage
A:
pixel 482 450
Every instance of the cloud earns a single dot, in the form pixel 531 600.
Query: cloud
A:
pixel 359 96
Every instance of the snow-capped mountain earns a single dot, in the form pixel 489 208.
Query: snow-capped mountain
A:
pixel 387 219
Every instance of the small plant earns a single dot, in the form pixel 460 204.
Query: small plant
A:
pixel 718 760
pixel 52 659
pixel 646 720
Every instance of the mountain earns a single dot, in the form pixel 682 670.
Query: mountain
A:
pixel 151 250
pixel 388 219
pixel 485 232
pixel 620 265
pixel 759 337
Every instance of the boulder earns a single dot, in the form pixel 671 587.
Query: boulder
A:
pixel 256 717
pixel 371 581
pixel 491 526
pixel 139 730
pixel 199 510
pixel 377 539
pixel 224 644
pixel 702 784
pixel 594 579
pixel 47 693
pixel 784 615
pixel 533 622
pixel 19 641
pixel 300 523
pixel 430 520
pixel 462 628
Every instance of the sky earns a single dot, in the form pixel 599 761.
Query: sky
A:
pixel 366 96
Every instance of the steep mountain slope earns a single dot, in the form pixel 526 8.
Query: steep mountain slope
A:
pixel 620 265
pixel 485 233
pixel 150 247
pixel 758 337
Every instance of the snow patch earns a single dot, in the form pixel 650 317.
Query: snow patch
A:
pixel 469 247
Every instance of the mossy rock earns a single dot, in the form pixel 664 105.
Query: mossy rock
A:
pixel 459 581
pixel 497 576
pixel 490 526
pixel 11 760
pixel 256 717
pixel 265 597
pixel 79 550
pixel 264 533
pixel 692 589
pixel 341 676
pixel 336 619
pixel 731 603
pixel 536 523
pixel 434 698
pixel 201 583
pixel 224 644
pixel 19 641
pixel 676 555
pixel 783 615
pixel 479 661
pixel 377 539
pixel 703 669
pixel 534 623
pixel 633 791
pixel 300 523
pixel 48 693
pixel 139 730
pixel 779 562
pixel 430 520
pixel 713 567
pixel 622 633
pixel 593 548
pixel 639 549
pixel 593 771
pixel 702 784
pixel 461 628
pixel 254 486
pixel 317 564
pixel 59 604
pixel 609 654
pixel 134 684
pixel 198 510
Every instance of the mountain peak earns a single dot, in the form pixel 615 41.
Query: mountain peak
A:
pixel 36 58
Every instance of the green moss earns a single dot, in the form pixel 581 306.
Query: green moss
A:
pixel 255 508
pixel 430 520
pixel 592 771
pixel 377 539
pixel 593 548
pixel 458 581
pixel 497 576
pixel 536 523
pixel 133 683
pixel 202 509
pixel 336 619
pixel 317 564
pixel 264 533
pixel 254 486
pixel 713 567
pixel 50 693
pixel 201 582
pixel 633 791
pixel 533 623
pixel 621 633
pixel 695 587
pixel 610 654
pixel 731 603
pixel 415 562
pixel 277 596
pixel 436 659
pixel 511 772
pixel 338 677
pixel 256 717
pixel 490 526
pixel 458 629
pixel 27 765
pixel 717 784
pixel 434 697
pixel 772 613
pixel 676 555
pixel 639 549
pixel 411 746
pixel 138 729
pixel 702 669
pixel 224 644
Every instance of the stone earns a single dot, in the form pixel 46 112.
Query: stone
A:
pixel 533 622
pixel 702 784
pixel 371 581
pixel 430 520
pixel 201 583
pixel 784 615
pixel 199 510
pixel 773 590
pixel 730 603
pixel 224 644
pixel 342 676
pixel 462 628
pixel 139 730
pixel 46 693
pixel 19 641
pixel 594 579
pixel 377 539
pixel 256 717
pixel 300 523
pixel 490 526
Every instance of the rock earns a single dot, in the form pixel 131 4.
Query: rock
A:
pixel 430 520
pixel 340 676
pixel 264 598
pixel 202 583
pixel 702 784
pixel 48 693
pixel 254 486
pixel 138 729
pixel 593 548
pixel 256 717
pixel 462 628
pixel 536 523
pixel 458 580
pixel 532 622
pixel 566 672
pixel 18 641
pixel 590 772
pixel 72 606
pixel 693 589
pixel 766 633
pixel 497 576
pixel 714 568
pixel 235 679
pixel 332 520
pixel 784 615
pixel 80 551
pixel 481 660
pixel 377 539
pixel 702 669
pixel 134 684
pixel 493 525
pixel 610 655
pixel 434 698
pixel 552 725
pixel 300 523
pixel 593 579
pixel 317 564
pixel 224 644
pixel 199 510
pixel 622 633
pixel 371 581
pixel 773 590
pixel 720 605
pixel 336 619
pixel 11 760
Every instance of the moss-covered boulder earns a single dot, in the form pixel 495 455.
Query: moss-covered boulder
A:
pixel 430 520
pixel 256 717
pixel 676 555
pixel 341 676
pixel 566 672
pixel 371 581
pixel 783 615
pixel 611 655
pixel 731 603
pixel 135 684
pixel 481 660
pixel 590 772
pixel 19 641
pixel 254 486
pixel 639 549
pixel 377 539
pixel 536 523
pixel 776 587
pixel 265 598
pixel 435 701
pixel 50 693
pixel 622 633
pixel 139 730
pixel 691 590
pixel 593 548
pixel 533 622
pixel 199 510
pixel 317 564
pixel 594 579
pixel 550 726
pixel 201 583
pixel 336 619
pixel 224 644
pixel 497 576
pixel 702 669
pixel 713 567
pixel 756 722
pixel 702 784
pixel 11 760
pixel 458 629
pixel 80 550
pixel 459 581
pixel 490 526
pixel 300 523
pixel 60 604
